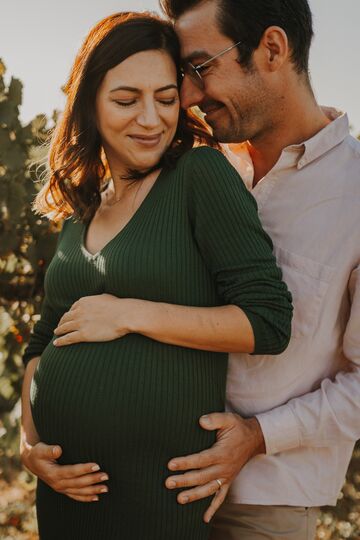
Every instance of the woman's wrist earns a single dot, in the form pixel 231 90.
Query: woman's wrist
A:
pixel 137 314
pixel 27 443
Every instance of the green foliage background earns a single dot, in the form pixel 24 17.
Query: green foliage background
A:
pixel 27 244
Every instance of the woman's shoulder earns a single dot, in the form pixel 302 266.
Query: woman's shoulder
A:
pixel 203 153
pixel 66 226
pixel 208 166
pixel 205 161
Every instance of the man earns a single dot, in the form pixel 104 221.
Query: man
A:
pixel 285 444
pixel 246 67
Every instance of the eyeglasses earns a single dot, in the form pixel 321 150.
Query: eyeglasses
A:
pixel 194 71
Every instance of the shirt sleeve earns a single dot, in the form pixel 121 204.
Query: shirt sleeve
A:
pixel 330 414
pixel 43 330
pixel 237 250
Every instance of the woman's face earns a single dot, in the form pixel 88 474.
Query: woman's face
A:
pixel 137 110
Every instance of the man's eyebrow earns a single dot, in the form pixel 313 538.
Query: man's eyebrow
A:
pixel 197 54
pixel 137 90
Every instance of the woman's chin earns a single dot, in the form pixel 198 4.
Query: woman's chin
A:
pixel 145 164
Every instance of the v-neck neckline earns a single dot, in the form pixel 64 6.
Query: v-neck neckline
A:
pixel 144 203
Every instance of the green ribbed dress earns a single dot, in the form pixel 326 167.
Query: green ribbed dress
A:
pixel 133 403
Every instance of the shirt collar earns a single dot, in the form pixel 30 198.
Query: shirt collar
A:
pixel 329 137
pixel 296 155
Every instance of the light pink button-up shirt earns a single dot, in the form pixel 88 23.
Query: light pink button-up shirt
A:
pixel 307 399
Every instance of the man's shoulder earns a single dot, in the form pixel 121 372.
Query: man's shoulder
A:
pixel 342 164
pixel 351 165
pixel 354 144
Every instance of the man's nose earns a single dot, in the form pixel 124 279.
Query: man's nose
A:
pixel 190 93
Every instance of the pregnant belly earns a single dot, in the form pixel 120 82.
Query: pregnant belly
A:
pixel 105 401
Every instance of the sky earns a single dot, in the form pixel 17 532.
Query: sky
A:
pixel 39 40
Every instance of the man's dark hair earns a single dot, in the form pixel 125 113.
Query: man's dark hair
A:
pixel 247 20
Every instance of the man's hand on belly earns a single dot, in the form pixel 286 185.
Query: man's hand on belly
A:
pixel 80 482
pixel 211 471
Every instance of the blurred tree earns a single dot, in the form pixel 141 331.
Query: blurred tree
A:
pixel 27 244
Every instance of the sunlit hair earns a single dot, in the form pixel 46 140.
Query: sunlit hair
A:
pixel 78 169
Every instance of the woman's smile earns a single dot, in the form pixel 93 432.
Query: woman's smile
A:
pixel 149 141
pixel 137 115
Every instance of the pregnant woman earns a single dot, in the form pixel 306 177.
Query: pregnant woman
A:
pixel 158 273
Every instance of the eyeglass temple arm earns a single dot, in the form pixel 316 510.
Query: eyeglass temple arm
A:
pixel 217 55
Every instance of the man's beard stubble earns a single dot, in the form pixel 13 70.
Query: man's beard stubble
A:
pixel 246 117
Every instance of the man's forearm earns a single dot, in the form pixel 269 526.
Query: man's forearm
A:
pixel 219 329
pixel 322 418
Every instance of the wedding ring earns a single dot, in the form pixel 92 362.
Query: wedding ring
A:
pixel 219 482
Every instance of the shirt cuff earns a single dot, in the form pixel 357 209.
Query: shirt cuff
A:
pixel 280 429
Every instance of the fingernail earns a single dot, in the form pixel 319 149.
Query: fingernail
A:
pixel 104 477
pixel 95 499
pixel 104 490
pixel 184 500
pixel 171 484
pixel 55 342
pixel 95 468
pixel 172 465
pixel 205 419
pixel 54 450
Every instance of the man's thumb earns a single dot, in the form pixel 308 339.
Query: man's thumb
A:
pixel 216 421
pixel 208 421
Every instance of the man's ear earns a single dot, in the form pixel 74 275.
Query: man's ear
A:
pixel 275 48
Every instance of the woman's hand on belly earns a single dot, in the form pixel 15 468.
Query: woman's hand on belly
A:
pixel 81 482
pixel 105 317
pixel 101 317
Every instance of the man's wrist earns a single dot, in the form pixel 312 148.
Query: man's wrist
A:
pixel 257 437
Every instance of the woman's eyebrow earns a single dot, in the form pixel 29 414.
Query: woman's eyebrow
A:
pixel 168 87
pixel 137 90
pixel 127 88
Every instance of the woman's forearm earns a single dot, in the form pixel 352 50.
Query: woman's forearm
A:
pixel 106 317
pixel 219 329
pixel 29 435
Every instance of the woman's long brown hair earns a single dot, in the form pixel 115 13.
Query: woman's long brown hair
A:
pixel 77 163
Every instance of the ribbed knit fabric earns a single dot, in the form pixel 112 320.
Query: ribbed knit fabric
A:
pixel 133 403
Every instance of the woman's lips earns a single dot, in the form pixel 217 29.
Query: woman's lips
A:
pixel 147 140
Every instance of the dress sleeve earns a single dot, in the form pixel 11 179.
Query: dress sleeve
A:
pixel 237 250
pixel 43 330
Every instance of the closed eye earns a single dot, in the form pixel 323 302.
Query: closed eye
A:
pixel 171 101
pixel 125 103
pixel 202 69
pixel 128 103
